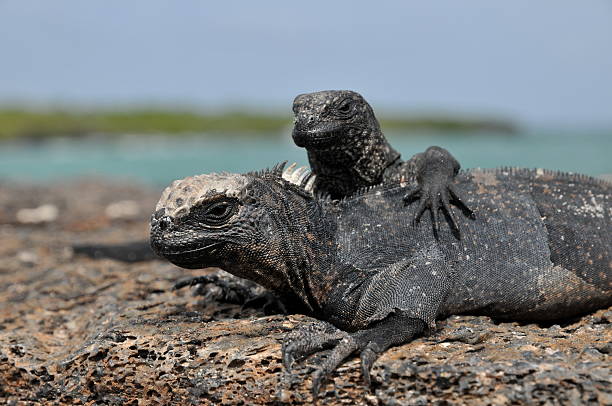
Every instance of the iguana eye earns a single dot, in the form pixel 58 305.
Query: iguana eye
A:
pixel 218 213
pixel 219 209
pixel 344 108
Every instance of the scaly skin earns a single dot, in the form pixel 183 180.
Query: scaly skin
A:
pixel 540 249
pixel 348 151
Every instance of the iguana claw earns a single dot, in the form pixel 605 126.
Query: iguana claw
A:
pixel 368 356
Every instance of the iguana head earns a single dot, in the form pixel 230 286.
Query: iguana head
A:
pixel 240 223
pixel 325 119
pixel 345 145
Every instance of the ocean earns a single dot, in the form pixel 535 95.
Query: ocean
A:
pixel 159 159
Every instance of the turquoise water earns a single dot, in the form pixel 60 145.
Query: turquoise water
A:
pixel 158 160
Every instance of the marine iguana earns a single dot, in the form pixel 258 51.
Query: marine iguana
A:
pixel 347 150
pixel 540 249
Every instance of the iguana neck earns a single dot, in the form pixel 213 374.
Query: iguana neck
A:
pixel 305 236
pixel 361 162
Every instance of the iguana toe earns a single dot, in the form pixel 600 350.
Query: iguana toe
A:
pixel 368 356
pixel 345 347
pixel 459 201
pixel 309 339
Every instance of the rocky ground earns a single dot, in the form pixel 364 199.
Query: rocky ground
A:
pixel 76 330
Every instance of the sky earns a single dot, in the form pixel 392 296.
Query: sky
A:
pixel 545 63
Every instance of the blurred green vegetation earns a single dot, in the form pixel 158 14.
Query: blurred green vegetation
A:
pixel 19 122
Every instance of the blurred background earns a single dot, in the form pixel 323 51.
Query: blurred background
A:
pixel 103 103
pixel 154 90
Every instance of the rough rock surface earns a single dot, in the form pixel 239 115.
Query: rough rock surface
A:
pixel 79 331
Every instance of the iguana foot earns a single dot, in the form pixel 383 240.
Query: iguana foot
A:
pixel 435 171
pixel 370 343
pixel 229 289
pixel 437 196
pixel 309 339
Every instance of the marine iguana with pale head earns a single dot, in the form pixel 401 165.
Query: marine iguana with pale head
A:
pixel 540 249
pixel 347 151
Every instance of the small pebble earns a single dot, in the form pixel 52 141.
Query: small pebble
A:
pixel 27 257
pixel 123 209
pixel 41 214
pixel 372 400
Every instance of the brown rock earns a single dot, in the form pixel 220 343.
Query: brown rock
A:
pixel 80 331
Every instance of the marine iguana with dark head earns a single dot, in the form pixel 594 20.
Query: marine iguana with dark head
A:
pixel 540 249
pixel 347 150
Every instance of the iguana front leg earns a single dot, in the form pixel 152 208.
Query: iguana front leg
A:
pixel 370 344
pixel 395 305
pixel 435 170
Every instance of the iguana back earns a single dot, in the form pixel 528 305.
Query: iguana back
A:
pixel 539 248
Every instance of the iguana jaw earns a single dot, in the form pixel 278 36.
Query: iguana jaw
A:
pixel 184 245
pixel 197 254
pixel 324 136
pixel 236 248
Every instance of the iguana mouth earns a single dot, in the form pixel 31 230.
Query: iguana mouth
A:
pixel 189 251
pixel 317 138
pixel 185 256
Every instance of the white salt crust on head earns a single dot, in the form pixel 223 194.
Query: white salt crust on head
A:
pixel 178 198
pixel 181 195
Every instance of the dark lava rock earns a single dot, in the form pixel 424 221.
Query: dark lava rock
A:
pixel 75 330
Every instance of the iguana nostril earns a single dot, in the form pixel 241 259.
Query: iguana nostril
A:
pixel 165 223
